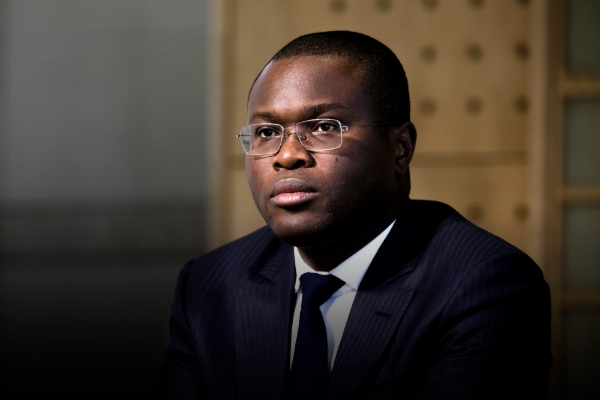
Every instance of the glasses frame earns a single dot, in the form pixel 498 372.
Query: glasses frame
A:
pixel 343 128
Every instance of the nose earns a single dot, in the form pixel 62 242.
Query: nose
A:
pixel 292 129
pixel 292 154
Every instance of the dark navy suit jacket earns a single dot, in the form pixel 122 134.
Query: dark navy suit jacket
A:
pixel 445 311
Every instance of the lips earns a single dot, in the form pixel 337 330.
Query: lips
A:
pixel 292 192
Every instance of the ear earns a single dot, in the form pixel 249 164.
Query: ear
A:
pixel 404 139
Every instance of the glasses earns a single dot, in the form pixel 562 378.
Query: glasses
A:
pixel 316 135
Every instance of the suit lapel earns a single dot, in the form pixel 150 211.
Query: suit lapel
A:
pixel 381 299
pixel 372 322
pixel 262 328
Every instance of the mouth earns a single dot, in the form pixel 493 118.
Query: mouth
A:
pixel 291 192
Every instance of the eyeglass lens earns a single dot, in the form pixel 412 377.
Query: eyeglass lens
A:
pixel 315 135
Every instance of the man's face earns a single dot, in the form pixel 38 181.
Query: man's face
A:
pixel 313 199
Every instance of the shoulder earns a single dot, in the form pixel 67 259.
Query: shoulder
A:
pixel 214 277
pixel 455 236
pixel 241 248
pixel 464 269
pixel 234 258
pixel 485 309
pixel 457 248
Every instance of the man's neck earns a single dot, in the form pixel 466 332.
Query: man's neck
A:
pixel 326 258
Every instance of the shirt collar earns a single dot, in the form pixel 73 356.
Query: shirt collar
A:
pixel 353 269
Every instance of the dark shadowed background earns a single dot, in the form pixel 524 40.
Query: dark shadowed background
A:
pixel 103 188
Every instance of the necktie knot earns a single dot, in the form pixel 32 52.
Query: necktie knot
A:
pixel 316 288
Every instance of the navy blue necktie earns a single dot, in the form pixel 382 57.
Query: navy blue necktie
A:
pixel 310 369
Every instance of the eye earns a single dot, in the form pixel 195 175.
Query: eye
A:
pixel 267 132
pixel 325 126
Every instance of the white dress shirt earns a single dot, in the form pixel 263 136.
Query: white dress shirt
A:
pixel 337 309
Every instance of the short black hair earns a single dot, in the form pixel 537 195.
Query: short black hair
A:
pixel 384 79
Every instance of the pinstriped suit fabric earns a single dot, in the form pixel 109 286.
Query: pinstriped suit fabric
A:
pixel 446 311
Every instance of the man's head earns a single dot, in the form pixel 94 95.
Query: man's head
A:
pixel 319 198
pixel 384 79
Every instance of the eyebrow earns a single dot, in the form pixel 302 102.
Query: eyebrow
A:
pixel 322 108
pixel 308 111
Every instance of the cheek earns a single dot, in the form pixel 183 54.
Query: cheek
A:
pixel 359 177
pixel 353 169
pixel 256 182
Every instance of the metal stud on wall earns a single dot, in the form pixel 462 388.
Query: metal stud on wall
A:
pixel 521 104
pixel 430 3
pixel 383 5
pixel 474 52
pixel 522 50
pixel 428 53
pixel 474 105
pixel 428 106
pixel 338 6
pixel 476 3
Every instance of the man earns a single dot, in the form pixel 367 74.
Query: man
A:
pixel 352 290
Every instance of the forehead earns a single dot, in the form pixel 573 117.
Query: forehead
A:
pixel 289 85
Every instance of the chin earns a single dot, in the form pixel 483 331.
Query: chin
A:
pixel 303 239
pixel 301 232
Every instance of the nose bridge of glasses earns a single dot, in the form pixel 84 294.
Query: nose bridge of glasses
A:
pixel 294 128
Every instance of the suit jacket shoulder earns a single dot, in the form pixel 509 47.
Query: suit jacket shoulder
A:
pixel 218 301
pixel 478 322
pixel 229 264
